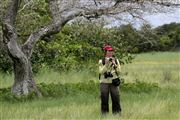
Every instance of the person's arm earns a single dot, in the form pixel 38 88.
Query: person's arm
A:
pixel 103 68
pixel 118 67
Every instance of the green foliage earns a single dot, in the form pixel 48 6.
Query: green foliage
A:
pixel 169 36
pixel 31 18
pixel 79 45
pixel 6 95
pixel 3 6
pixel 165 42
pixel 139 87
pixel 5 63
pixel 62 90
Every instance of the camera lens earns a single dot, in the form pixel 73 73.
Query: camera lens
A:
pixel 110 59
pixel 107 74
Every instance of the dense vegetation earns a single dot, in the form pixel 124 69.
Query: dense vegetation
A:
pixel 61 90
pixel 79 45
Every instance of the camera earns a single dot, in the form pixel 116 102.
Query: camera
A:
pixel 110 59
pixel 108 74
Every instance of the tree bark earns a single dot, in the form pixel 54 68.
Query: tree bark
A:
pixel 23 76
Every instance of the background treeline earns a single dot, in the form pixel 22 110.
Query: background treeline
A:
pixel 79 44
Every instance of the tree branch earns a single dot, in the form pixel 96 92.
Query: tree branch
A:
pixel 43 32
pixel 168 4
pixel 61 16
pixel 12 12
pixel 59 19
pixel 10 35
pixel 95 2
pixel 26 4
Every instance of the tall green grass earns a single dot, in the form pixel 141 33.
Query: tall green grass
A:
pixel 161 67
pixel 148 67
pixel 156 105
pixel 158 67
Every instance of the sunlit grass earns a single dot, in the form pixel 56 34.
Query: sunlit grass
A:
pixel 148 67
pixel 6 80
pixel 162 68
pixel 154 67
pixel 135 106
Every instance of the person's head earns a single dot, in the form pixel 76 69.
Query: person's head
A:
pixel 109 51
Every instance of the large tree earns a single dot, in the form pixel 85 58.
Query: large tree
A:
pixel 62 11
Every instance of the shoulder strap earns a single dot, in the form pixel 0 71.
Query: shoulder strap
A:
pixel 99 76
pixel 103 61
pixel 116 61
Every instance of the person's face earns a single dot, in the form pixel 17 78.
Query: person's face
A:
pixel 109 53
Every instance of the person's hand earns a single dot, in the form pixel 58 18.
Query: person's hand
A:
pixel 108 63
pixel 113 62
pixel 114 65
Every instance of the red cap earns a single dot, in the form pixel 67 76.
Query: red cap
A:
pixel 107 48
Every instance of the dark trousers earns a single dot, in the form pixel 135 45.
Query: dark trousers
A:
pixel 105 89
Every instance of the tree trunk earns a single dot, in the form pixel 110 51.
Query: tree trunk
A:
pixel 23 76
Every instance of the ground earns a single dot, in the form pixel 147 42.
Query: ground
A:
pixel 162 68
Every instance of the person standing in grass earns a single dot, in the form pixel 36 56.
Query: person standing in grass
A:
pixel 109 70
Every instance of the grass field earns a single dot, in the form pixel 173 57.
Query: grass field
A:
pixel 161 67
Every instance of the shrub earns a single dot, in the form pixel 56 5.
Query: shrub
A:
pixel 61 90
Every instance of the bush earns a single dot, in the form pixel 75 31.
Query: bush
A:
pixel 5 62
pixel 62 90
pixel 76 45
